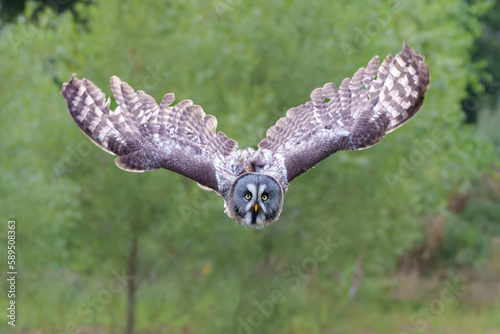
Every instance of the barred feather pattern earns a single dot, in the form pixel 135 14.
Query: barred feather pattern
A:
pixel 355 116
pixel 145 136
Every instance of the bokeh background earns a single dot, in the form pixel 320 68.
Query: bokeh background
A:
pixel 401 238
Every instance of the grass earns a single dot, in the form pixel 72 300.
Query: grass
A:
pixel 64 309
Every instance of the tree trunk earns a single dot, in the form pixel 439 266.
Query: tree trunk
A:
pixel 356 278
pixel 132 285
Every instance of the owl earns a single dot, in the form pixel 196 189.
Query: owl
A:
pixel 146 136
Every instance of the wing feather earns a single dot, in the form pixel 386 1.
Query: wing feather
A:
pixel 145 136
pixel 357 115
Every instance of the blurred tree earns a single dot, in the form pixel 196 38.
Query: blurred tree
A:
pixel 11 9
pixel 484 86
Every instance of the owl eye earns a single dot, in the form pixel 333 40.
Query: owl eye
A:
pixel 248 196
pixel 264 197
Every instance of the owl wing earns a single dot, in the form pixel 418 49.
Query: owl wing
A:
pixel 145 136
pixel 354 117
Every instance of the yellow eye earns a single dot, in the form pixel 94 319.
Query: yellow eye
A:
pixel 248 196
pixel 264 197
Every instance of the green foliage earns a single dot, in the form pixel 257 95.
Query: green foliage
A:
pixel 484 82
pixel 486 126
pixel 246 63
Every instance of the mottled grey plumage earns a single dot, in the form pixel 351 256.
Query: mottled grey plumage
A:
pixel 183 139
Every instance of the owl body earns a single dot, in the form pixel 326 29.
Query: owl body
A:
pixel 182 138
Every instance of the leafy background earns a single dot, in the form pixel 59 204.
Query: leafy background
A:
pixel 411 221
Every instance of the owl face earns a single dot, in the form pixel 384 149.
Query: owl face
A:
pixel 255 200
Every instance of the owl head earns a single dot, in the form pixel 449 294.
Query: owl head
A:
pixel 255 200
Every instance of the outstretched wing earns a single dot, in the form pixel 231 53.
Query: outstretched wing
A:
pixel 354 117
pixel 146 136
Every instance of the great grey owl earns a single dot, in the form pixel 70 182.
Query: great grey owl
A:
pixel 183 139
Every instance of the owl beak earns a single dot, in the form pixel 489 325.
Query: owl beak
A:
pixel 256 207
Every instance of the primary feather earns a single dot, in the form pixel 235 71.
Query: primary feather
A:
pixel 355 116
